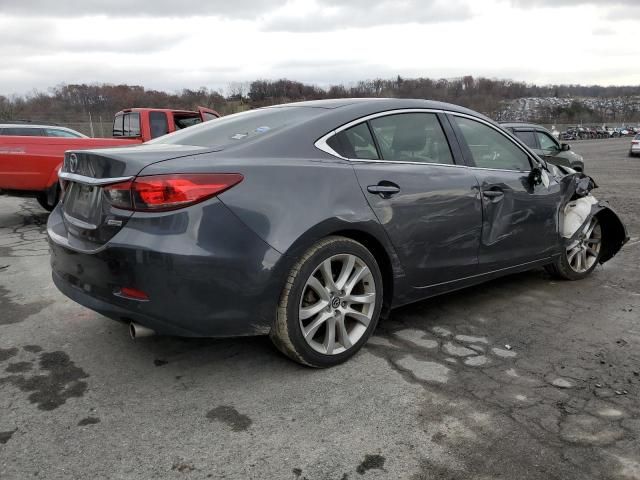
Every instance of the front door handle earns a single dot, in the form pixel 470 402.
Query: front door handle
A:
pixel 493 195
pixel 384 189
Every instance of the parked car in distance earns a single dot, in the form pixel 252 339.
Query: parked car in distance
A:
pixel 544 144
pixel 33 130
pixel 635 146
pixel 29 164
pixel 309 221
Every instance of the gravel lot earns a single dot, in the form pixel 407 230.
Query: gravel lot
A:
pixel 520 378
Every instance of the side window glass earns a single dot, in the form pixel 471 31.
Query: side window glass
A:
pixel 528 138
pixel 412 137
pixel 118 126
pixel 54 132
pixel 355 142
pixel 24 132
pixel 546 142
pixel 158 123
pixel 134 125
pixel 490 149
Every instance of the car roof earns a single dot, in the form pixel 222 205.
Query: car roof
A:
pixel 367 106
pixel 165 110
pixel 31 125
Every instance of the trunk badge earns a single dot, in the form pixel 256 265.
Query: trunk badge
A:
pixel 114 223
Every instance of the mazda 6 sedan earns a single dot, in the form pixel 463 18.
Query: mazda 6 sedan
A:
pixel 310 221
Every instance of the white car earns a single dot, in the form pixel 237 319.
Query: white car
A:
pixel 32 130
pixel 635 146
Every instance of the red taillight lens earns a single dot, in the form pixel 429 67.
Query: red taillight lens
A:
pixel 132 293
pixel 169 192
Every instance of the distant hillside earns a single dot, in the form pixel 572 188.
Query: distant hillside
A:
pixel 499 99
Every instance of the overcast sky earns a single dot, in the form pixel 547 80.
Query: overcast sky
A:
pixel 174 44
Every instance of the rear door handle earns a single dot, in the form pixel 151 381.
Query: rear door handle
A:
pixel 384 189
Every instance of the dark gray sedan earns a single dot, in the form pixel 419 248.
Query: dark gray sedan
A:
pixel 310 221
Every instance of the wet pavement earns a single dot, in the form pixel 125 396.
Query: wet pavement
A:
pixel 525 377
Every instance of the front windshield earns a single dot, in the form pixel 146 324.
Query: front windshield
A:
pixel 239 127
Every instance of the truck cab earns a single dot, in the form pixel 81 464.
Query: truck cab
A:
pixel 149 123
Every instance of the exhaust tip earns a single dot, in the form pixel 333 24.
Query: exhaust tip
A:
pixel 136 330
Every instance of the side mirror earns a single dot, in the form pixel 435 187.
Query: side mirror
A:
pixel 565 147
pixel 535 176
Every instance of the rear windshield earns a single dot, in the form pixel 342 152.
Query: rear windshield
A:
pixel 22 132
pixel 239 127
pixel 637 137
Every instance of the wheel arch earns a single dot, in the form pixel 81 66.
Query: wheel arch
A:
pixel 372 236
pixel 614 233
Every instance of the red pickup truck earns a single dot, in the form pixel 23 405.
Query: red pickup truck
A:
pixel 29 165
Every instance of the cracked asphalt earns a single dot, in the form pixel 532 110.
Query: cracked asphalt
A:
pixel 521 378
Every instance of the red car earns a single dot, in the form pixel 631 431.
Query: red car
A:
pixel 29 165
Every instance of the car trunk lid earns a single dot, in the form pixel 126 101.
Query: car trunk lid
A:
pixel 89 217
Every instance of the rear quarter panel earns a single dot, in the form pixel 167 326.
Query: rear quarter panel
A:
pixel 293 202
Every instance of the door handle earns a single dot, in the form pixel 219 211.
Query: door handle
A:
pixel 384 189
pixel 493 195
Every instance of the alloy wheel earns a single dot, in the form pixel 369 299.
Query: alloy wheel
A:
pixel 337 304
pixel 584 252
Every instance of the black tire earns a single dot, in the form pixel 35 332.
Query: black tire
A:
pixel 287 331
pixel 561 267
pixel 43 200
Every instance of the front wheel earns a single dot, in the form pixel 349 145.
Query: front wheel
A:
pixel 581 256
pixel 43 199
pixel 330 304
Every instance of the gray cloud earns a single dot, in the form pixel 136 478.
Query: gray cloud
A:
pixel 570 3
pixel 39 37
pixel 340 14
pixel 148 8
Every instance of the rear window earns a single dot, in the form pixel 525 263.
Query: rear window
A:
pixel 637 137
pixel 127 125
pixel 240 127
pixel 527 137
pixel 183 121
pixel 23 132
pixel 158 124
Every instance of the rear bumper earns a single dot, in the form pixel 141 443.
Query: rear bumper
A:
pixel 209 277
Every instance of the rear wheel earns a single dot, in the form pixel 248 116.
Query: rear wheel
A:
pixel 582 255
pixel 330 304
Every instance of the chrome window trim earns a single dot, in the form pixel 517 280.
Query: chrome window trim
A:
pixel 405 162
pixel 96 182
pixel 322 144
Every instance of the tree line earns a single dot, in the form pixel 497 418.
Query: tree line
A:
pixel 72 103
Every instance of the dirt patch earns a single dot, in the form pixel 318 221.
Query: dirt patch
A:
pixel 7 353
pixel 19 367
pixel 62 381
pixel 13 312
pixel 230 416
pixel 371 462
pixel 88 421
pixel 6 436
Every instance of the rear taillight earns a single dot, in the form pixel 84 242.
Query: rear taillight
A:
pixel 155 193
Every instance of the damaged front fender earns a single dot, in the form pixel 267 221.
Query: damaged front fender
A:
pixel 581 207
